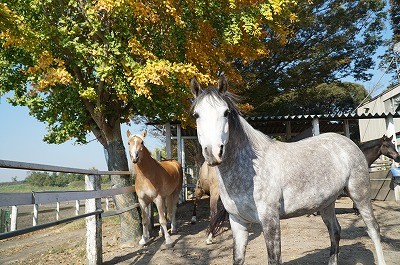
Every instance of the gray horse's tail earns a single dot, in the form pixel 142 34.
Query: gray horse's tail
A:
pixel 217 219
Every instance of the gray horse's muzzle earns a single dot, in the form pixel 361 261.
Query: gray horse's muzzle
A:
pixel 211 157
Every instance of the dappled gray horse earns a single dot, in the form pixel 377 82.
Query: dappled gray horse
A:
pixel 262 181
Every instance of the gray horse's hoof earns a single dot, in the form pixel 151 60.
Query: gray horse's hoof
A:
pixel 194 220
pixel 169 246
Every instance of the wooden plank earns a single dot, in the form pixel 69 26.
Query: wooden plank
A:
pixel 10 199
pixel 107 214
pixel 46 225
pixel 41 167
pixel 43 197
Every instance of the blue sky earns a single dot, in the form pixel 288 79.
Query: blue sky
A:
pixel 21 139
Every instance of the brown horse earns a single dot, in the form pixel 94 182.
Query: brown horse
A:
pixel 381 146
pixel 158 182
pixel 208 184
pixel 375 148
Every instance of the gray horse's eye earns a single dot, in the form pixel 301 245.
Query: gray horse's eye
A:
pixel 196 115
pixel 226 113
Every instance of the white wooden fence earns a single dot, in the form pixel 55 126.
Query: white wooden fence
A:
pixel 92 195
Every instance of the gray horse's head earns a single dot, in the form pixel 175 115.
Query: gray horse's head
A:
pixel 213 109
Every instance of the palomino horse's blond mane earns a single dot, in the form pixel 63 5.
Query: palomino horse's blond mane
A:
pixel 158 182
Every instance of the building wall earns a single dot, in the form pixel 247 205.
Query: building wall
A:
pixel 375 128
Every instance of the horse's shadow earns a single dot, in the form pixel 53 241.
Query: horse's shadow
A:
pixel 141 255
pixel 156 243
pixel 346 256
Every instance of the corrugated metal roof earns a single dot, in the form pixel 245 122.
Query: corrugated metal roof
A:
pixel 306 117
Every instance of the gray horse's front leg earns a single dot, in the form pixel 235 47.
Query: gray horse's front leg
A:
pixel 240 238
pixel 272 235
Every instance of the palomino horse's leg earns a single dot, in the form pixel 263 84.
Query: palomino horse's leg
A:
pixel 145 222
pixel 172 202
pixel 160 203
pixel 174 208
pixel 240 237
pixel 329 217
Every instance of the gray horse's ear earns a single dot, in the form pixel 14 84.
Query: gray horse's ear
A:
pixel 391 138
pixel 128 133
pixel 222 83
pixel 195 87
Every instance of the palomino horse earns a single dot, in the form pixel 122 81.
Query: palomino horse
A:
pixel 158 182
pixel 208 184
pixel 261 180
pixel 381 146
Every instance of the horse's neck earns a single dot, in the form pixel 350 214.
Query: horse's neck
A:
pixel 145 165
pixel 371 150
pixel 246 140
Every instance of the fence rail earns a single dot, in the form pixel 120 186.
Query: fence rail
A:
pixel 43 197
pixel 92 195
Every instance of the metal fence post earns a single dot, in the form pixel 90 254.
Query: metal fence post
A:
pixel 35 214
pixel 93 223
pixel 77 206
pixel 58 211
pixel 14 214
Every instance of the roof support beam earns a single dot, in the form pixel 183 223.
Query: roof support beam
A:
pixel 168 140
pixel 315 126
pixel 346 128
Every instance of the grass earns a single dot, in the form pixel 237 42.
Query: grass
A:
pixel 25 187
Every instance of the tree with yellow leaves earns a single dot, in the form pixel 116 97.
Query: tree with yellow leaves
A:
pixel 89 66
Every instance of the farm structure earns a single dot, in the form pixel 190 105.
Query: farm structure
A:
pixel 285 127
pixel 297 127
pixel 386 102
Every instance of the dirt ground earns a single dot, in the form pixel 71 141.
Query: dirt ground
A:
pixel 305 240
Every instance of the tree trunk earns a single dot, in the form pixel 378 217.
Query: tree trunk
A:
pixel 130 220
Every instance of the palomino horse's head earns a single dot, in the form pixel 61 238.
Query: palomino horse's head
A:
pixel 136 145
pixel 388 149
pixel 212 110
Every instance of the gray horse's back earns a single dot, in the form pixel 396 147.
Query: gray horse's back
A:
pixel 318 171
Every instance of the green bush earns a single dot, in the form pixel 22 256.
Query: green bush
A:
pixel 55 179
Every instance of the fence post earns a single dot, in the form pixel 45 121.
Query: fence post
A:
pixel 35 214
pixel 14 214
pixel 58 211
pixel 77 206
pixel 93 223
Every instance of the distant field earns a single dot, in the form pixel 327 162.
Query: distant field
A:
pixel 47 212
pixel 25 187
